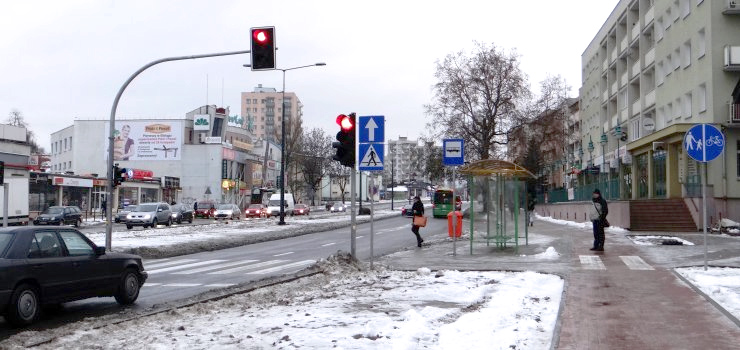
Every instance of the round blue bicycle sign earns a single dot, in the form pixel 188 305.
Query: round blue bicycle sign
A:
pixel 704 142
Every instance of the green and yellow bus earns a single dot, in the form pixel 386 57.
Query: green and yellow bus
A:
pixel 443 202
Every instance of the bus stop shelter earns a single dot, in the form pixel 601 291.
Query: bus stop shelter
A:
pixel 499 188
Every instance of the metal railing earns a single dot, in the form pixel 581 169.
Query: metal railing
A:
pixel 609 190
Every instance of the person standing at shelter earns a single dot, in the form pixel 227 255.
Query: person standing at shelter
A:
pixel 418 210
pixel 598 218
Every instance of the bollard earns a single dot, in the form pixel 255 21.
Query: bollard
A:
pixel 454 223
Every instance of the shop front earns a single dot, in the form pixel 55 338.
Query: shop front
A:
pixel 660 165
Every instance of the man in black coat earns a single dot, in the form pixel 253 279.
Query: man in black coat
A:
pixel 418 210
pixel 598 217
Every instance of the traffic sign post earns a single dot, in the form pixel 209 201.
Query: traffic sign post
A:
pixel 453 152
pixel 704 143
pixel 371 134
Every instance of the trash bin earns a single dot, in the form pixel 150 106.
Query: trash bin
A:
pixel 454 223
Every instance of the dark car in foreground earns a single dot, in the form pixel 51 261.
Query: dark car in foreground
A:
pixel 182 212
pixel 50 265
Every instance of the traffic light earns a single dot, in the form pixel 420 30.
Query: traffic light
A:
pixel 118 175
pixel 2 173
pixel 345 144
pixel 263 48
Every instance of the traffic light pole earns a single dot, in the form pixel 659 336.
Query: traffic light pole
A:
pixel 353 234
pixel 109 187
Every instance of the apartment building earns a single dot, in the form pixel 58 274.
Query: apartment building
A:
pixel 654 69
pixel 401 157
pixel 263 106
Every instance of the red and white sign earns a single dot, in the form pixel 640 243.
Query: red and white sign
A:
pixel 139 174
pixel 72 182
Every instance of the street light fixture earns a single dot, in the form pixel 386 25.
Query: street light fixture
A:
pixel 603 142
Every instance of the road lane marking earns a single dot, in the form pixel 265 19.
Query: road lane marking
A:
pixel 152 284
pixel 288 253
pixel 163 264
pixel 282 267
pixel 220 285
pixel 247 267
pixel 182 285
pixel 635 263
pixel 591 262
pixel 358 237
pixel 181 267
pixel 328 244
pixel 214 267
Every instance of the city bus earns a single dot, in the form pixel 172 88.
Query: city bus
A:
pixel 443 202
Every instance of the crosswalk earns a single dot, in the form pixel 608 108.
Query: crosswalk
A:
pixel 186 266
pixel 594 262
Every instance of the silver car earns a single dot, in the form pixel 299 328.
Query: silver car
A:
pixel 227 211
pixel 149 214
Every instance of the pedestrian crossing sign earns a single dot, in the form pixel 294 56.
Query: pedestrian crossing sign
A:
pixel 371 157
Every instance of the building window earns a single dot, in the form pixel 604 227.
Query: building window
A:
pixel 686 54
pixel 676 8
pixel 659 29
pixel 677 109
pixel 702 98
pixel 70 143
pixel 676 58
pixel 687 105
pixel 668 18
pixel 738 158
pixel 698 2
pixel 254 101
pixel 659 73
pixel 70 165
pixel 702 43
pixel 65 145
pixel 668 112
pixel 685 8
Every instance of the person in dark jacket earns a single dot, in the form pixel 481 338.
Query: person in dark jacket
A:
pixel 599 211
pixel 418 210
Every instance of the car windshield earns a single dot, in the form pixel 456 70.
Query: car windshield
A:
pixel 255 206
pixel 130 208
pixel 300 206
pixel 225 207
pixel 54 211
pixel 147 207
pixel 275 203
pixel 176 207
pixel 5 238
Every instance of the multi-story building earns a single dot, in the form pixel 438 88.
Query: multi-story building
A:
pixel 207 155
pixel 401 159
pixel 654 69
pixel 264 107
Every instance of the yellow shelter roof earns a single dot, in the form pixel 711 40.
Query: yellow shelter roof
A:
pixel 489 167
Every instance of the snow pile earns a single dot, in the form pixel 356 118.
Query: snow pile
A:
pixel 583 225
pixel 722 284
pixel 656 240
pixel 348 308
pixel 549 254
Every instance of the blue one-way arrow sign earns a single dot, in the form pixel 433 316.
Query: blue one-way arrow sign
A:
pixel 372 129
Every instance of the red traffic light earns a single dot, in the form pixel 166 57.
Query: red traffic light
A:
pixel 346 123
pixel 260 36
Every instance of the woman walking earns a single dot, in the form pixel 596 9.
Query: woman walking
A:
pixel 418 210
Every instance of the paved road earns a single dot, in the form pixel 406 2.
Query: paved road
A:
pixel 178 278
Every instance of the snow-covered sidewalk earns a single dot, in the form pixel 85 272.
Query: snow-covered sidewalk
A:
pixel 346 307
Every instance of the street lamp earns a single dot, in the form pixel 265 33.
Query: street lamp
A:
pixel 618 134
pixel 590 153
pixel 282 140
pixel 603 142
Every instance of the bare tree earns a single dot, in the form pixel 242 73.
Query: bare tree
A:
pixel 15 118
pixel 292 144
pixel 314 159
pixel 478 98
pixel 339 175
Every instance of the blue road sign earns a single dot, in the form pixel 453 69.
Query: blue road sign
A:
pixel 704 142
pixel 371 157
pixel 372 129
pixel 453 152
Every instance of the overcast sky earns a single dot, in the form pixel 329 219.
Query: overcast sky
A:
pixel 65 60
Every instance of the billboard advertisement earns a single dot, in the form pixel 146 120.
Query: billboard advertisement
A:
pixel 146 140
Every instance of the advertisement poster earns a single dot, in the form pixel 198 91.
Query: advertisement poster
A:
pixel 146 140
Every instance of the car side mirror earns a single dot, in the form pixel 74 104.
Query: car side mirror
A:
pixel 99 251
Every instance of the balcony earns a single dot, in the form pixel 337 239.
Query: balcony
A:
pixel 635 32
pixel 624 114
pixel 624 45
pixel 605 65
pixel 614 88
pixel 613 55
pixel 732 59
pixel 650 57
pixel 636 108
pixel 636 69
pixel 649 99
pixel 623 79
pixel 732 7
pixel 649 16
pixel 734 113
pixel 605 96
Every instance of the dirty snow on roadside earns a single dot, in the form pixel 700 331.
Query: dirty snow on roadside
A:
pixel 583 225
pixel 348 308
pixel 722 284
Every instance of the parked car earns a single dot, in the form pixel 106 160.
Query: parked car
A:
pixel 338 207
pixel 121 215
pixel 182 212
pixel 256 211
pixel 60 215
pixel 149 214
pixel 227 211
pixel 205 209
pixel 407 211
pixel 301 209
pixel 45 266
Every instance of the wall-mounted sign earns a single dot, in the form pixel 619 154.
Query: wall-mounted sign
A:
pixel 201 122
pixel 648 124
pixel 72 182
pixel 213 139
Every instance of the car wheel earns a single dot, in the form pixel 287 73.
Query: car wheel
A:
pixel 190 221
pixel 169 222
pixel 128 290
pixel 154 223
pixel 24 305
pixel 179 221
pixel 78 222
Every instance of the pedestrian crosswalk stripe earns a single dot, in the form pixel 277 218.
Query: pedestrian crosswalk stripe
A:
pixel 180 267
pixel 247 267
pixel 214 267
pixel 636 263
pixel 591 262
pixel 157 264
pixel 282 267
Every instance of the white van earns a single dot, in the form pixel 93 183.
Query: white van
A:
pixel 273 207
